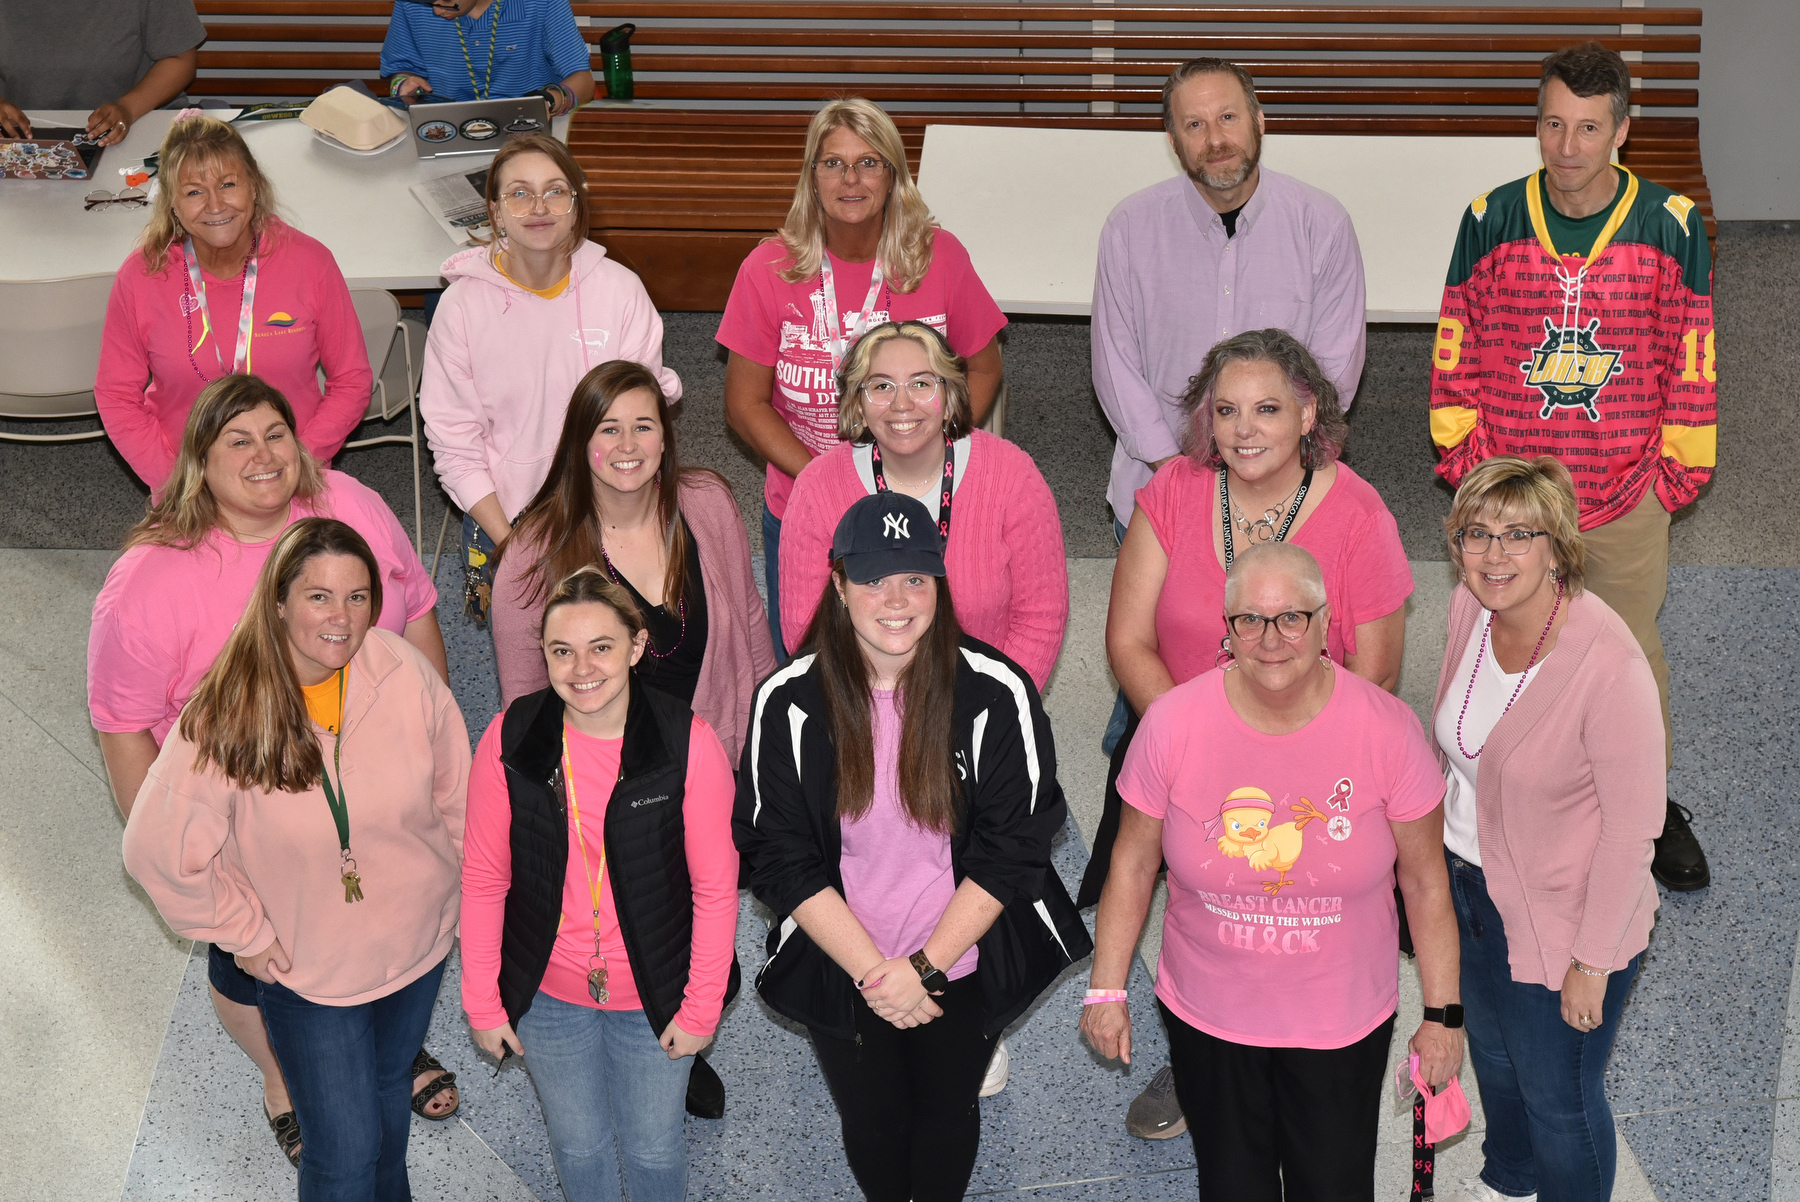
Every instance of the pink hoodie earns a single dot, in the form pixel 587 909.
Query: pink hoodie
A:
pixel 501 364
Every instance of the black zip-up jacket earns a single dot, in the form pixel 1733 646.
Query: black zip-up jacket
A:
pixel 786 826
pixel 646 849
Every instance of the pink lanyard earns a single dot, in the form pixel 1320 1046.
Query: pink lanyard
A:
pixel 241 362
pixel 834 329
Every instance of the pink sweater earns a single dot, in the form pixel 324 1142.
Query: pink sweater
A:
pixel 487 875
pixel 1008 575
pixel 738 650
pixel 303 320
pixel 244 867
pixel 1570 793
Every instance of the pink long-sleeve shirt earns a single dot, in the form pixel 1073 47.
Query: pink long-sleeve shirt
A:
pixel 1007 571
pixel 242 868
pixel 302 320
pixel 487 875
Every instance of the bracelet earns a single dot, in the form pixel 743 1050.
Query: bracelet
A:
pixel 1588 972
pixel 1099 997
pixel 396 83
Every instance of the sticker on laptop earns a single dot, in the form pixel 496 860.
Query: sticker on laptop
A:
pixel 436 131
pixel 524 125
pixel 479 129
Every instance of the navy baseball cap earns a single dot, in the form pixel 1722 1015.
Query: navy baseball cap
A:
pixel 885 533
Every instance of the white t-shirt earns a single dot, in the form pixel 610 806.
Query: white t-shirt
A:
pixel 864 455
pixel 1493 688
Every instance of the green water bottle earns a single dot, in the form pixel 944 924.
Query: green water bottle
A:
pixel 615 61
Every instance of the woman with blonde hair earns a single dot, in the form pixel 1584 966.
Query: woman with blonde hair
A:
pixel 306 816
pixel 1550 737
pixel 858 248
pixel 220 285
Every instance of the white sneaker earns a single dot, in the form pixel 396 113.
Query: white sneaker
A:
pixel 1474 1189
pixel 999 1071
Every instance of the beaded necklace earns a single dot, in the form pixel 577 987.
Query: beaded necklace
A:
pixel 193 297
pixel 1517 689
pixel 680 608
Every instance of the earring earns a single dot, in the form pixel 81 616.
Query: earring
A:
pixel 1225 661
pixel 503 243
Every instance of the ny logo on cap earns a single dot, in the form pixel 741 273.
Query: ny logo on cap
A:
pixel 893 525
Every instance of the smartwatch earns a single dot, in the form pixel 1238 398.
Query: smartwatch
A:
pixel 1450 1016
pixel 935 981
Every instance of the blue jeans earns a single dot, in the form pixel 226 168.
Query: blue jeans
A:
pixel 1543 1083
pixel 610 1095
pixel 772 577
pixel 349 1070
pixel 1115 725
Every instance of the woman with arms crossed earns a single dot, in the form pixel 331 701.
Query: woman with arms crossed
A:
pixel 330 873
pixel 605 965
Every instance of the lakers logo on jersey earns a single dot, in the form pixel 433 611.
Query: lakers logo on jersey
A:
pixel 1569 368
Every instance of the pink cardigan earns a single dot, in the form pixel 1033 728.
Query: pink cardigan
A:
pixel 1008 575
pixel 738 649
pixel 1570 792
pixel 244 867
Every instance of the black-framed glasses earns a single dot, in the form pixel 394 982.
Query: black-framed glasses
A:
pixel 1513 542
pixel 832 165
pixel 521 202
pixel 921 390
pixel 1289 625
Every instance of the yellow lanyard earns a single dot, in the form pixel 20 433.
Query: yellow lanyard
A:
pixel 597 962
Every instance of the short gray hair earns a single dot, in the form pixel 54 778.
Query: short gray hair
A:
pixel 1295 562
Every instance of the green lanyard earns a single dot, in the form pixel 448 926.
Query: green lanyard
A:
pixel 339 802
pixel 481 90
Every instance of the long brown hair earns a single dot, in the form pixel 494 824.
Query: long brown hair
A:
pixel 926 696
pixel 184 512
pixel 565 164
pixel 564 519
pixel 207 141
pixel 247 715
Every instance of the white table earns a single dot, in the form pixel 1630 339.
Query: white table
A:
pixel 358 206
pixel 1405 195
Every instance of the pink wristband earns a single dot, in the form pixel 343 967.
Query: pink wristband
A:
pixel 1097 997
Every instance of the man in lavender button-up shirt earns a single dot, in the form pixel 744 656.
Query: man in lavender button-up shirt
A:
pixel 1225 248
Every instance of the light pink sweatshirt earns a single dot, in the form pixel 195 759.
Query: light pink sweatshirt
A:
pixel 244 867
pixel 501 364
pixel 1570 792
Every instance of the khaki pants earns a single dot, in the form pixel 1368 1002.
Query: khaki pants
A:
pixel 1628 568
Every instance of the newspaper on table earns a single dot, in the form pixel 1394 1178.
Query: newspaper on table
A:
pixel 458 204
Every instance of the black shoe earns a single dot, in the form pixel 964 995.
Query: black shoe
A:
pixel 1679 863
pixel 706 1093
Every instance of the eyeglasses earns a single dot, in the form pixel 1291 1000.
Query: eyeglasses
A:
pixel 921 390
pixel 520 202
pixel 834 166
pixel 1290 625
pixel 1513 542
pixel 126 196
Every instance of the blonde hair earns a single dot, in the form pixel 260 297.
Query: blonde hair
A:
pixel 1539 492
pixel 590 585
pixel 946 364
pixel 183 512
pixel 198 141
pixel 906 224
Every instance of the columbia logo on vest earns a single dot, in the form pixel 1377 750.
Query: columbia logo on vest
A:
pixel 649 801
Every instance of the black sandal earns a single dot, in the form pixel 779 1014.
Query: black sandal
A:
pixel 424 1063
pixel 286 1127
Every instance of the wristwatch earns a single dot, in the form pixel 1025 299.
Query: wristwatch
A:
pixel 934 979
pixel 1450 1016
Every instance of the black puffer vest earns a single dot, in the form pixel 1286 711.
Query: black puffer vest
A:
pixel 646 851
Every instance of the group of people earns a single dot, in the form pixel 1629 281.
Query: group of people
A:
pixel 867 752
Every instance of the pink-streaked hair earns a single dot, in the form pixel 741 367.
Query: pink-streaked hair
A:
pixel 1320 446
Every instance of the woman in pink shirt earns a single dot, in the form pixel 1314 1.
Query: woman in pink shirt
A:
pixel 1550 738
pixel 905 417
pixel 220 285
pixel 858 248
pixel 306 816
pixel 600 897
pixel 1285 794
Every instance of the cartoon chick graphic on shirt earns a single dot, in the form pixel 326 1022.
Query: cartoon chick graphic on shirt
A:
pixel 1246 833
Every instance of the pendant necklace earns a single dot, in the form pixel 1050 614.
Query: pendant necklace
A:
pixel 597 962
pixel 338 801
pixel 1227 511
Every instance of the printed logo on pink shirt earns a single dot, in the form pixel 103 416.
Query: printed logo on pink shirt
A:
pixel 1247 830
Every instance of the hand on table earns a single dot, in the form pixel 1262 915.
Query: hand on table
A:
pixel 109 124
pixel 1107 1026
pixel 13 123
pixel 264 964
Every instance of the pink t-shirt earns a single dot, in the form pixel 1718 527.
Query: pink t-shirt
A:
pixel 1281 929
pixel 770 321
pixel 1351 534
pixel 163 614
pixel 897 876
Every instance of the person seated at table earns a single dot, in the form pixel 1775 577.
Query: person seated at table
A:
pixel 218 286
pixel 905 417
pixel 487 49
pixel 120 60
pixel 858 248
pixel 307 815
pixel 173 597
pixel 524 319
pixel 1280 787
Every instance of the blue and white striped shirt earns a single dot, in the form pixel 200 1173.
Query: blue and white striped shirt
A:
pixel 536 43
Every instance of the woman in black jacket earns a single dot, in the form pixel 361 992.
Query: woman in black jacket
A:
pixel 897 802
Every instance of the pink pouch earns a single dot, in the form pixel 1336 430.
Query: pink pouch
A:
pixel 1446 1112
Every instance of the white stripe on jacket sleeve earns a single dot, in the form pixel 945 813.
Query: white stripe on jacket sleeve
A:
pixel 987 665
pixel 795 668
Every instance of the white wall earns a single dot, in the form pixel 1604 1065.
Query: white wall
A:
pixel 1750 107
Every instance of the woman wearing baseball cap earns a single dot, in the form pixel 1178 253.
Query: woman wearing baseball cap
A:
pixel 896 802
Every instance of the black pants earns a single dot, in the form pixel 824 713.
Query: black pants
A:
pixel 909 1100
pixel 1262 1118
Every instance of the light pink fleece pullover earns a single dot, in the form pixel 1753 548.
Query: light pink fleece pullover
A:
pixel 244 867
pixel 501 364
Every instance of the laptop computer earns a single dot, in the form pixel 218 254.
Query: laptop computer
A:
pixel 474 126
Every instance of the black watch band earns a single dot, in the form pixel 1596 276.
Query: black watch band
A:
pixel 933 979
pixel 1450 1016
